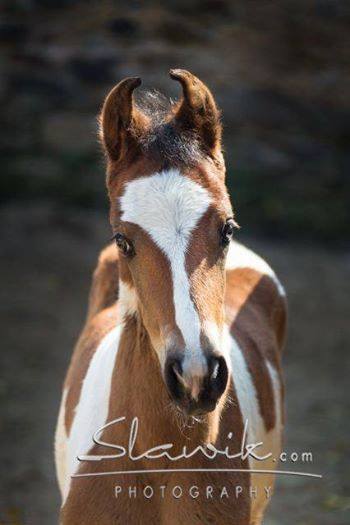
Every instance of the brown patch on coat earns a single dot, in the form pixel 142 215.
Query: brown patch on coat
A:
pixel 257 313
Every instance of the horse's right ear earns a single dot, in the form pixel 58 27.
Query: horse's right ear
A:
pixel 120 119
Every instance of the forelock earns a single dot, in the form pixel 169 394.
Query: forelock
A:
pixel 164 141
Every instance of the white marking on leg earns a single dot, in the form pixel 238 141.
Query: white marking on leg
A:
pixel 92 410
pixel 241 257
pixel 168 206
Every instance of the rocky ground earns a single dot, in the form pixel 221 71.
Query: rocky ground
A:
pixel 47 257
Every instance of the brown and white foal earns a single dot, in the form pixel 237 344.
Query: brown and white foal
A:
pixel 184 331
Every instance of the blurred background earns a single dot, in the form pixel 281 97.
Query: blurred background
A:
pixel 280 71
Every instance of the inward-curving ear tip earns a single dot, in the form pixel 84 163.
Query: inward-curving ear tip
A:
pixel 193 89
pixel 133 81
pixel 118 112
pixel 128 84
pixel 177 73
pixel 123 91
pixel 181 75
pixel 197 110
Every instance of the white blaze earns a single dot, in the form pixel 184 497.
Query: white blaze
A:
pixel 168 206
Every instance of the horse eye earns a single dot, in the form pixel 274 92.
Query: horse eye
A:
pixel 124 245
pixel 227 231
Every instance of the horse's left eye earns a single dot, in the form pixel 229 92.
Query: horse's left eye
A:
pixel 227 231
pixel 124 245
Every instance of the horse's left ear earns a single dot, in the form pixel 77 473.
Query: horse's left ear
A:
pixel 198 112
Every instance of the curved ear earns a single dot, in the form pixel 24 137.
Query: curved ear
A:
pixel 120 119
pixel 197 110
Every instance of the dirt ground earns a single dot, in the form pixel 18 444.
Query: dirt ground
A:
pixel 47 258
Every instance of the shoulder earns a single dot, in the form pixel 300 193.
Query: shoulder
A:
pixel 255 297
pixel 239 257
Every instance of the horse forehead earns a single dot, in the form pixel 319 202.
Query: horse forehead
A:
pixel 168 205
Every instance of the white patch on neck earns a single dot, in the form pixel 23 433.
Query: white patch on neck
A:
pixel 168 206
pixel 241 257
pixel 127 299
pixel 92 410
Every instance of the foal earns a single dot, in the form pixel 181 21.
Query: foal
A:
pixel 184 332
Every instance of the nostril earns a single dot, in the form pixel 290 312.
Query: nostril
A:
pixel 173 377
pixel 177 369
pixel 218 375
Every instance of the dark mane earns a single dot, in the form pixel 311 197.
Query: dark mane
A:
pixel 164 141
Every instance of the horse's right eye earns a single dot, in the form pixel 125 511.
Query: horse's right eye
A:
pixel 124 245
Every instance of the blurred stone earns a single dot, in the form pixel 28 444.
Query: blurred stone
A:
pixel 93 70
pixel 328 8
pixel 39 168
pixel 125 27
pixel 265 107
pixel 54 4
pixel 214 8
pixel 190 32
pixel 51 85
pixel 304 148
pixel 13 32
pixel 252 154
pixel 70 132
